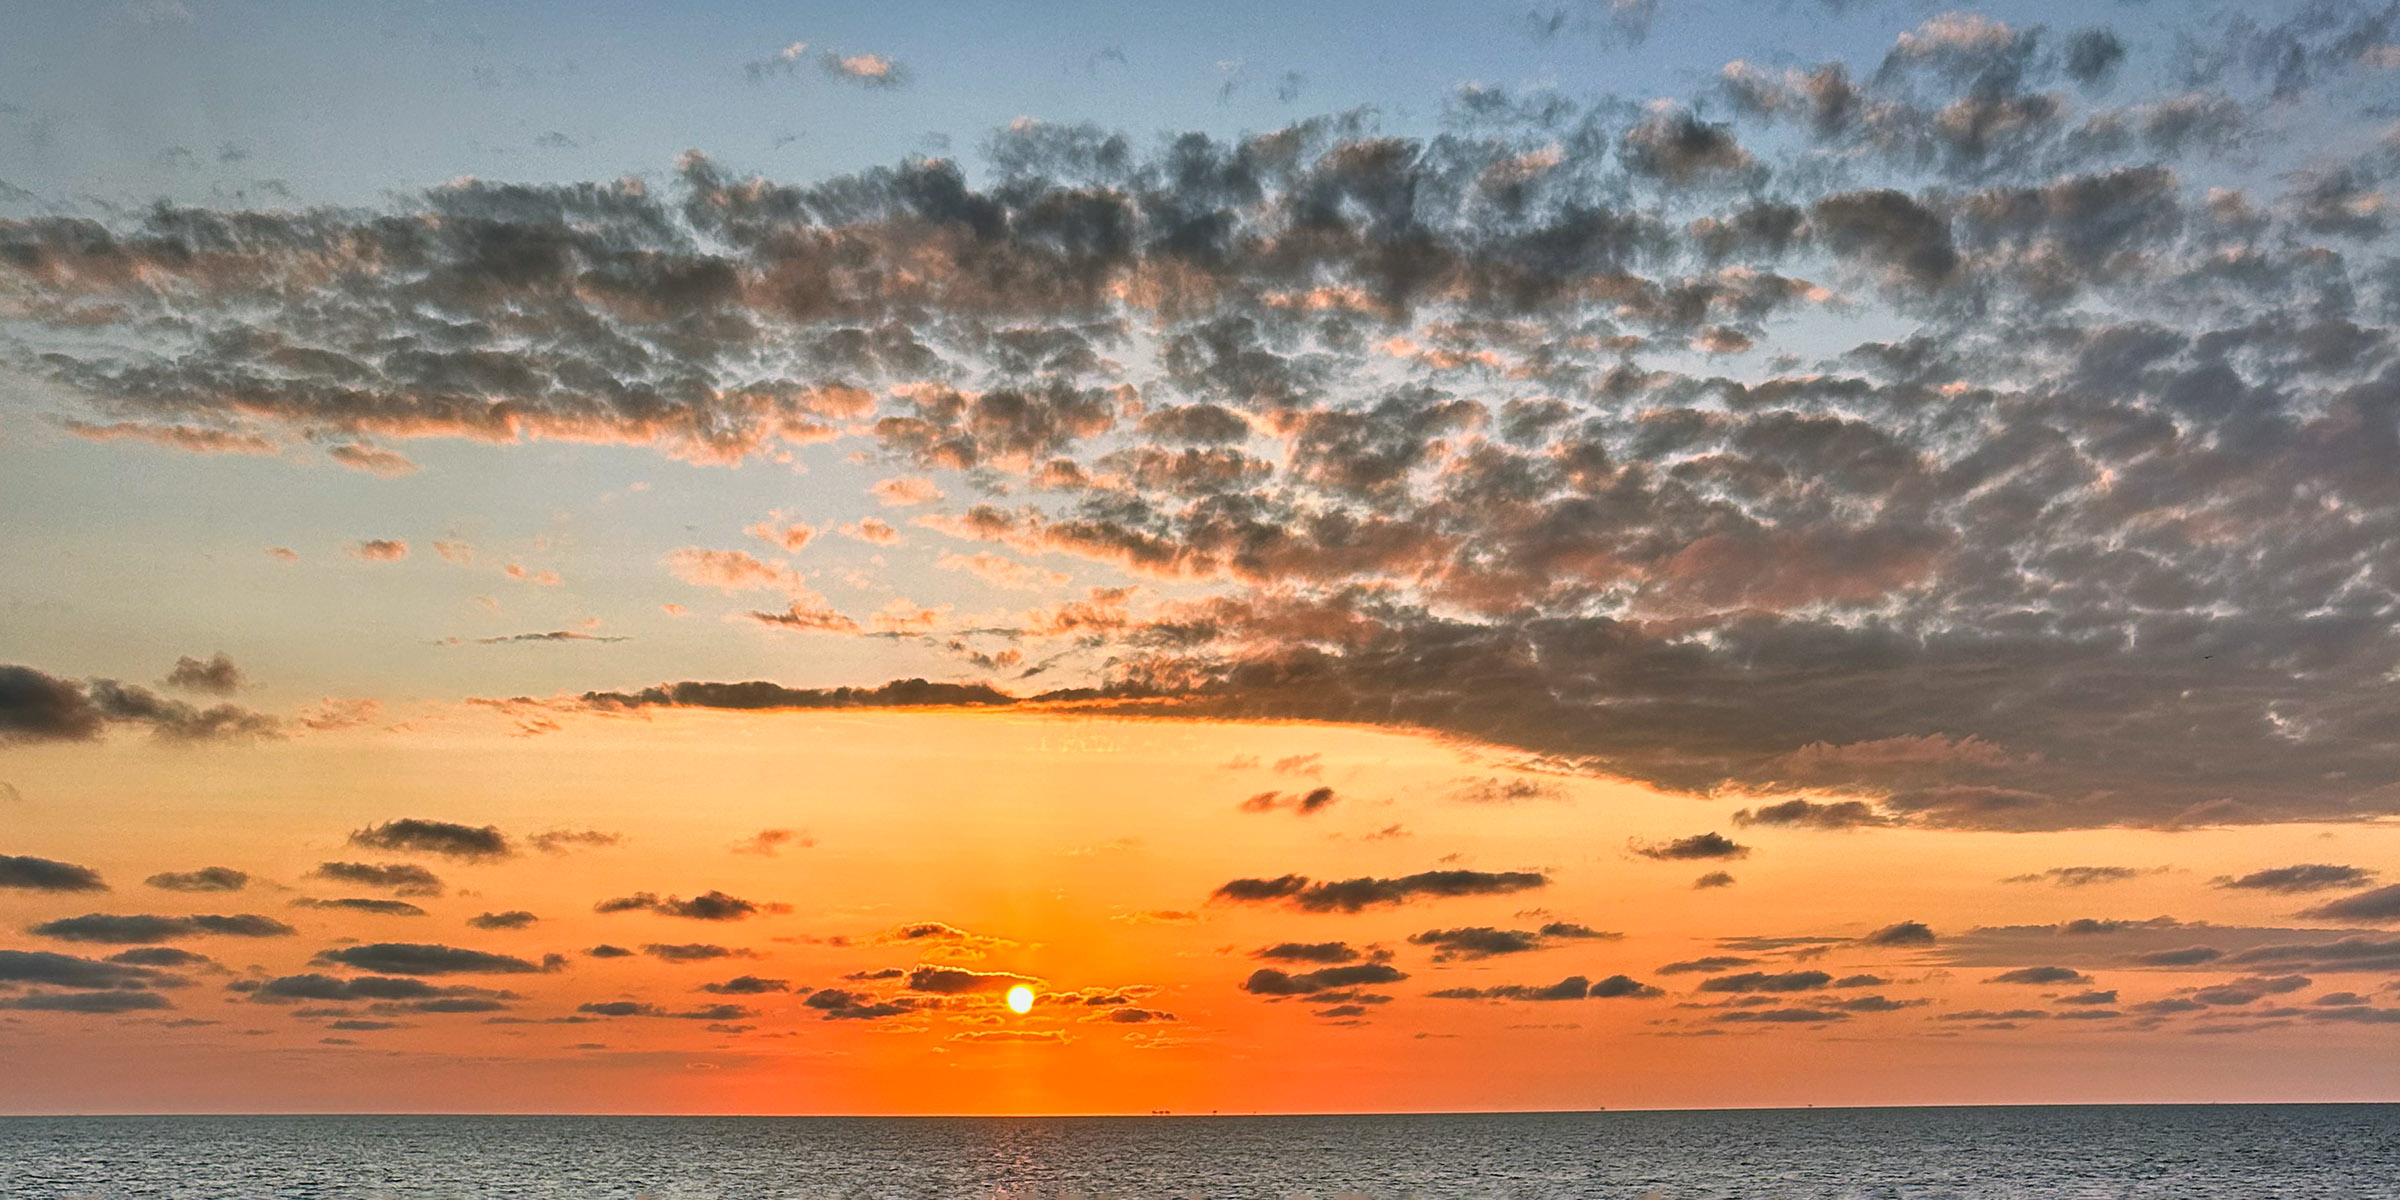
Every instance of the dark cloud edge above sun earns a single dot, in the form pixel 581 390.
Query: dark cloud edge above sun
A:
pixel 2005 431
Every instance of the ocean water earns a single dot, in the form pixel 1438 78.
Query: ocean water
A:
pixel 2304 1152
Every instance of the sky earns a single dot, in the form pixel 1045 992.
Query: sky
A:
pixel 1628 553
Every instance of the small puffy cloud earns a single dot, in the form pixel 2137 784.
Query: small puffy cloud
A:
pixel 905 492
pixel 1354 895
pixel 2041 976
pixel 769 842
pixel 731 571
pixel 2378 907
pixel 1697 846
pixel 374 460
pixel 711 905
pixel 207 879
pixel 25 872
pixel 512 919
pixel 567 841
pixel 417 958
pixel 2306 877
pixel 216 676
pixel 1714 879
pixel 403 879
pixel 782 531
pixel 1904 933
pixel 447 838
pixel 2078 876
pixel 379 550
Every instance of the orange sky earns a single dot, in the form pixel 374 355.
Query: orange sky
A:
pixel 1083 853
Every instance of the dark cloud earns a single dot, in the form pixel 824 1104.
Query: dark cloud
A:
pixel 417 994
pixel 366 904
pixel 900 693
pixel 86 1002
pixel 1811 814
pixel 958 981
pixel 37 707
pixel 707 906
pixel 747 985
pixel 1904 933
pixel 684 952
pixel 206 879
pixel 1303 803
pixel 1268 981
pixel 1697 846
pixel 1706 966
pixel 1764 981
pixel 2041 975
pixel 607 951
pixel 512 919
pixel 2378 907
pixel 1714 879
pixel 129 930
pixel 1309 952
pixel 1573 987
pixel 2078 876
pixel 65 970
pixel 452 840
pixel 414 958
pixel 2306 877
pixel 403 879
pixel 160 956
pixel 217 676
pixel 1354 895
pixel 567 841
pixel 27 873
pixel 840 1005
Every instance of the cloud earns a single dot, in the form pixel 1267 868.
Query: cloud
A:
pixel 2041 975
pixel 1483 941
pixel 710 905
pixel 1766 981
pixel 567 841
pixel 1354 895
pixel 403 879
pixel 365 904
pixel 1904 933
pixel 1573 987
pixel 2037 401
pixel 37 707
pixel 2378 907
pixel 747 985
pixel 449 839
pixel 839 1005
pixel 217 676
pixel 762 696
pixel 206 879
pixel 769 842
pixel 379 550
pixel 871 70
pixel 2078 876
pixel 27 873
pixel 1309 952
pixel 512 919
pixel 732 571
pixel 416 958
pixel 1697 846
pixel 1303 803
pixel 683 952
pixel 1809 814
pixel 2306 877
pixel 958 981
pixel 1714 879
pixel 47 969
pixel 86 1002
pixel 128 930
pixel 1270 981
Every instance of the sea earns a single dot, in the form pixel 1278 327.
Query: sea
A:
pixel 2236 1152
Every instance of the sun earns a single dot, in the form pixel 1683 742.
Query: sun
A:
pixel 1020 999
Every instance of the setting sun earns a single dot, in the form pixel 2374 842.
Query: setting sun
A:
pixel 1020 999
